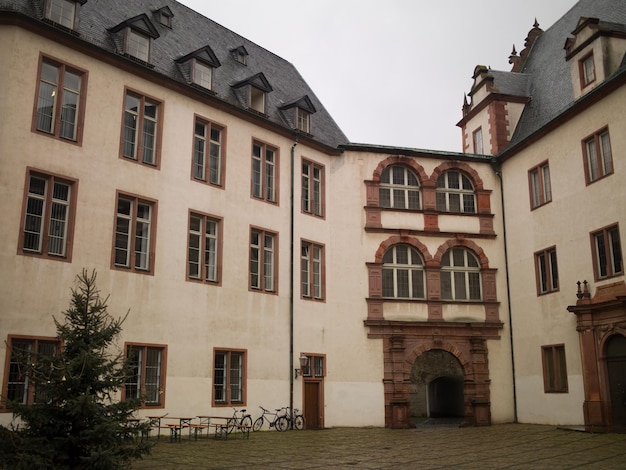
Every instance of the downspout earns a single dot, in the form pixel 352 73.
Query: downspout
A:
pixel 497 170
pixel 291 274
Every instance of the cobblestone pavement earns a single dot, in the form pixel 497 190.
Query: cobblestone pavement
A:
pixel 506 446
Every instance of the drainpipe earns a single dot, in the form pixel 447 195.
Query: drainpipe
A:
pixel 291 274
pixel 497 170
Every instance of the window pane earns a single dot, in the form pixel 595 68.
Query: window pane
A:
pixel 454 201
pixel 446 285
pixel 33 220
pixel 607 160
pixel 616 250
pixel 592 158
pixel 236 377
pixel 460 291
pixel 219 378
pixel 601 254
pixel 57 231
pixel 402 276
pixel 388 285
pixel 48 92
pixel 153 375
pixel 417 278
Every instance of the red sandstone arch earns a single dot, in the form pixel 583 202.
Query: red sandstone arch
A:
pixel 400 160
pixel 406 240
pixel 462 167
pixel 469 244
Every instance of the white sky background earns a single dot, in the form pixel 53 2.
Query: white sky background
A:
pixel 390 72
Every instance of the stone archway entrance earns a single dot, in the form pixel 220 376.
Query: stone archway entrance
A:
pixel 616 372
pixel 437 389
pixel 457 359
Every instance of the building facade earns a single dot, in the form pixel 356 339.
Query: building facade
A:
pixel 220 204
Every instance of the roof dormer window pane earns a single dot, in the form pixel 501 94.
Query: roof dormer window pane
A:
pixel 303 120
pixel 202 74
pixel 257 99
pixel 62 12
pixel 588 70
pixel 138 45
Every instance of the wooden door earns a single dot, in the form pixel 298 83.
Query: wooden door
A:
pixel 312 405
pixel 616 368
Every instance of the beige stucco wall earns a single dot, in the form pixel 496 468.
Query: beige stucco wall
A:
pixel 575 211
pixel 190 318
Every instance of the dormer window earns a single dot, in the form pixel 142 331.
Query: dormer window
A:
pixel 240 55
pixel 164 16
pixel 202 74
pixel 63 12
pixel 134 36
pixel 138 45
pixel 587 71
pixel 198 66
pixel 257 99
pixel 303 120
pixel 298 114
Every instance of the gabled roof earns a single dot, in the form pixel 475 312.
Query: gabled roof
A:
pixel 140 23
pixel 204 54
pixel 258 81
pixel 304 103
pixel 191 32
pixel 550 86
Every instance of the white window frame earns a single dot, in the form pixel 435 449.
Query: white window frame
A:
pixel 264 167
pixel 312 188
pixel 229 377
pixel 134 230
pixel 598 156
pixel 140 129
pixel 137 45
pixel 607 252
pixel 540 185
pixel 546 265
pixel 62 12
pixel 263 253
pixel 203 248
pixel 446 193
pixel 461 280
pixel 207 166
pixel 312 270
pixel 256 99
pixel 148 379
pixel 202 74
pixel 403 272
pixel 399 188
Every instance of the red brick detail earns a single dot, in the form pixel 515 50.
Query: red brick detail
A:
pixel 492 312
pixel 469 244
pixel 373 217
pixel 431 222
pixel 395 240
pixel 429 196
pixel 498 126
pixel 400 160
pixel 433 285
pixel 461 166
pixel 435 311
pixel 486 225
pixel 375 277
pixel 374 309
pixel 483 197
pixel 372 193
pixel 489 285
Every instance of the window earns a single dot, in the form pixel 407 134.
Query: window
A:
pixel 204 248
pixel 202 74
pixel 303 120
pixel 207 153
pixel 229 377
pixel 62 12
pixel 312 270
pixel 60 100
pixel 399 188
pixel 554 370
pixel 165 16
pixel 598 158
pixel 312 188
pixel 134 233
pixel 403 273
pixel 48 217
pixel 257 99
pixel 540 188
pixel 25 352
pixel 264 164
pixel 138 45
pixel 263 254
pixel 587 71
pixel 607 252
pixel 314 367
pixel 546 271
pixel 147 374
pixel 478 140
pixel 460 275
pixel 455 193
pixel 140 129
pixel 240 55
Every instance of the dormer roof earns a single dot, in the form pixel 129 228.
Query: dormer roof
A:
pixel 258 81
pixel 304 103
pixel 140 23
pixel 204 54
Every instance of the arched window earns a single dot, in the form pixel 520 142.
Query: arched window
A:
pixel 403 273
pixel 399 188
pixel 455 193
pixel 460 275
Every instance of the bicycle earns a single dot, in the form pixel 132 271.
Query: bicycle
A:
pixel 295 420
pixel 245 420
pixel 280 421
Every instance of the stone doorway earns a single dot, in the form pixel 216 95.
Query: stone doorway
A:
pixel 436 386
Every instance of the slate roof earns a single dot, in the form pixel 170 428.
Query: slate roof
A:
pixel 550 87
pixel 191 32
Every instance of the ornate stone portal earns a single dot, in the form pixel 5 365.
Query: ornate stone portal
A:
pixel 601 325
pixel 405 342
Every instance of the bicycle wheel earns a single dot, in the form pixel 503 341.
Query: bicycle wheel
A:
pixel 282 424
pixel 258 424
pixel 298 422
pixel 231 423
pixel 246 421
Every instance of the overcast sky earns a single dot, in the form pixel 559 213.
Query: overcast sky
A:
pixel 390 72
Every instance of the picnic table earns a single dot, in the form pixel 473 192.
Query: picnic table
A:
pixel 176 428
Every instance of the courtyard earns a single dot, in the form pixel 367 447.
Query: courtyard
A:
pixel 510 446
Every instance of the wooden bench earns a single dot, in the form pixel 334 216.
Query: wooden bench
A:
pixel 220 430
pixel 245 430
pixel 199 429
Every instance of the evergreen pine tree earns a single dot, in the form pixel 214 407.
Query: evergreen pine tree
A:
pixel 77 422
